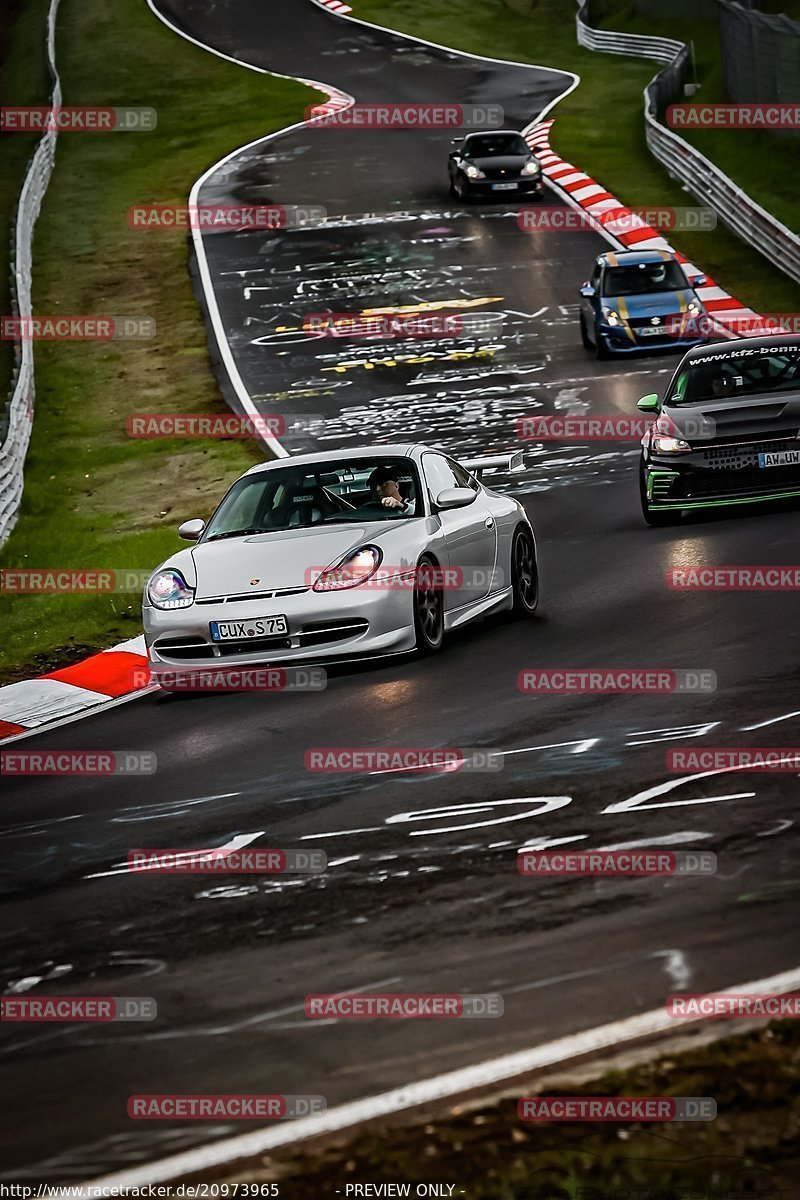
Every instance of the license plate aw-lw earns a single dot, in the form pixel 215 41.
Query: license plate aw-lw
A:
pixel 780 458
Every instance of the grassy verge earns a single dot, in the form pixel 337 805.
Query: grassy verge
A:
pixel 750 1150
pixel 599 126
pixel 24 79
pixel 762 163
pixel 94 498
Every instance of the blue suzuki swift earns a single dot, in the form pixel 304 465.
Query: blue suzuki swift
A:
pixel 641 300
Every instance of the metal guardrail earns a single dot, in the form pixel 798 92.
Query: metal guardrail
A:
pixel 704 180
pixel 18 416
pixel 660 48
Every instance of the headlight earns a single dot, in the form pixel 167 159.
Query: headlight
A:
pixel 670 445
pixel 474 172
pixel 666 437
pixel 531 168
pixel 611 315
pixel 694 308
pixel 168 589
pixel 354 569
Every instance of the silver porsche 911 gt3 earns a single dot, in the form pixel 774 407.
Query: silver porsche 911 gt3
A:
pixel 349 554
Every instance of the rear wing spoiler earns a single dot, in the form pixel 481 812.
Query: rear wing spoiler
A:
pixel 495 462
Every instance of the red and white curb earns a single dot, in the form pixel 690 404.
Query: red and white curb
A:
pixel 32 703
pixel 629 230
pixel 116 674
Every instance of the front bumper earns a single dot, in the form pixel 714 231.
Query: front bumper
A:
pixel 720 475
pixel 354 622
pixel 616 340
pixel 522 187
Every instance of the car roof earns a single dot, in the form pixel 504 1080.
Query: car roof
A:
pixel 784 340
pixel 490 133
pixel 628 258
pixel 401 450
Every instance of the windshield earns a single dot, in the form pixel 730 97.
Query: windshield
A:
pixel 638 278
pixel 489 145
pixel 297 497
pixel 726 376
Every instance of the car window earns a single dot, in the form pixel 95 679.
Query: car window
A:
pixel 639 278
pixel 441 473
pixel 487 145
pixel 728 374
pixel 462 475
pixel 296 497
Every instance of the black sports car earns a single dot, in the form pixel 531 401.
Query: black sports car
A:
pixel 486 164
pixel 727 430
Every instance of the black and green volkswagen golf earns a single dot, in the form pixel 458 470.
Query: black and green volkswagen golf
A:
pixel 727 430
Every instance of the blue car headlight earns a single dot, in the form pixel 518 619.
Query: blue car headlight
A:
pixel 168 589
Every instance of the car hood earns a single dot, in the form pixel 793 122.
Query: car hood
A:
pixel 650 304
pixel 287 559
pixel 751 416
pixel 500 162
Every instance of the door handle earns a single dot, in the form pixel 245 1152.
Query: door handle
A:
pixel 489 522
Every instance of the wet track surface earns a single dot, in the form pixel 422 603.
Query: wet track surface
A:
pixel 421 893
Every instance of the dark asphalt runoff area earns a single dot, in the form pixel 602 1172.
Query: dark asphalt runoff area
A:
pixel 421 893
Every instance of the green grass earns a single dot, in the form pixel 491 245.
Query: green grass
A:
pixel 93 497
pixel 600 126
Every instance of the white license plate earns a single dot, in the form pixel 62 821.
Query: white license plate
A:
pixel 252 627
pixel 503 187
pixel 651 331
pixel 782 458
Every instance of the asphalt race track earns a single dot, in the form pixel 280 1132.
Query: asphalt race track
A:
pixel 421 893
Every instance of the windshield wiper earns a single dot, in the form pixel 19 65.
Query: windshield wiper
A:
pixel 216 537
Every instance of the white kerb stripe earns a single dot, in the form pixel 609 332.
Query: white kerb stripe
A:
pixel 37 701
pixel 592 189
pixel 427 1091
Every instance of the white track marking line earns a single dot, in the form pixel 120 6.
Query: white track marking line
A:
pixel 236 843
pixel 667 839
pixel 771 721
pixel 220 334
pixel 444 1087
pixel 506 62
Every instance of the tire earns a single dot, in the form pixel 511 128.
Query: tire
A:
pixel 600 352
pixel 656 518
pixel 452 191
pixel 524 574
pixel 587 345
pixel 428 608
pixel 462 190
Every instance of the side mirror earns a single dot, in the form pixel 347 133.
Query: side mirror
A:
pixel 456 141
pixel 457 497
pixel 587 291
pixel 699 281
pixel 190 530
pixel 648 403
